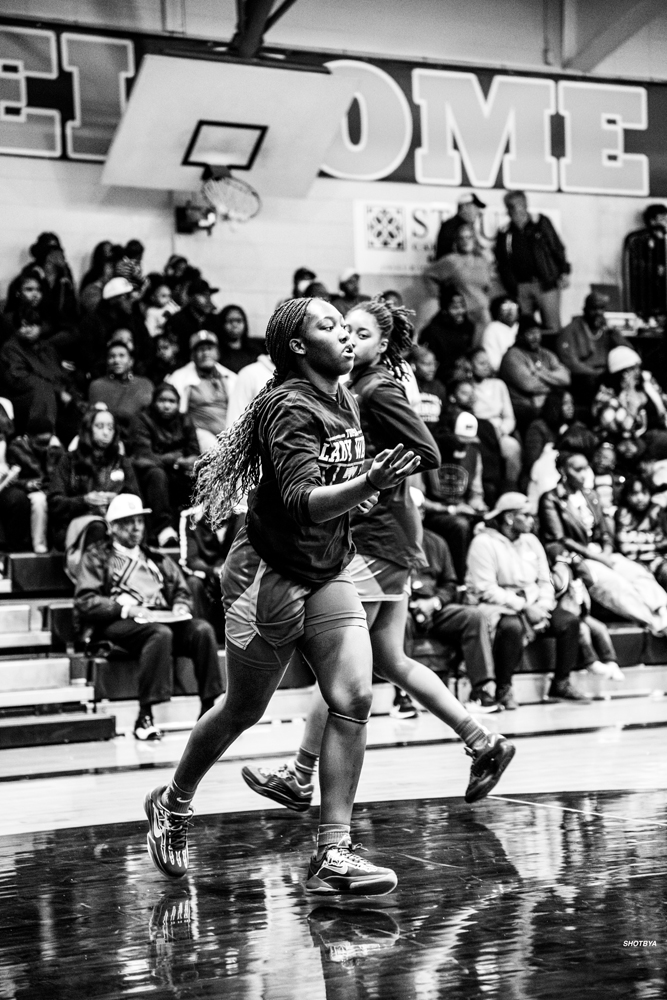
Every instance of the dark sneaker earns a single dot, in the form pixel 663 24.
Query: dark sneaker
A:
pixel 481 701
pixel 145 728
pixel 281 785
pixel 339 870
pixel 566 691
pixel 505 696
pixel 404 707
pixel 167 838
pixel 488 766
pixel 345 935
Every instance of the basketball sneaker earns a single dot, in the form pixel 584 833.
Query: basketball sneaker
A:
pixel 280 784
pixel 167 838
pixel 403 707
pixel 488 764
pixel 345 935
pixel 337 870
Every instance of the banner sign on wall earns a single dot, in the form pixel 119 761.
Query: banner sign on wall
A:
pixel 64 92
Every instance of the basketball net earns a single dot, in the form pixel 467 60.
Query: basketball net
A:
pixel 232 199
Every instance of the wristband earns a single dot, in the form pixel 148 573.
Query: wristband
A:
pixel 371 483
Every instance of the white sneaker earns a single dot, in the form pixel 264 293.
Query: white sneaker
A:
pixel 614 672
pixel 166 537
pixel 40 549
pixel 145 729
pixel 601 669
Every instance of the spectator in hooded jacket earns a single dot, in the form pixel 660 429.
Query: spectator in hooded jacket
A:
pixel 86 480
pixel 532 263
pixel 164 449
pixel 60 303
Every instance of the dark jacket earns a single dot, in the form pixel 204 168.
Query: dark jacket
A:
pixel 438 578
pixel 35 466
pixel 29 368
pixel 449 341
pixel 92 595
pixel 68 488
pixel 549 254
pixel 558 524
pixel 154 442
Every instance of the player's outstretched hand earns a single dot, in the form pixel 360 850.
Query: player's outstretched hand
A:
pixel 391 467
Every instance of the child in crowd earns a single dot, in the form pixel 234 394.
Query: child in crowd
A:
pixel 159 304
pixel 641 529
pixel 36 455
pixel 432 393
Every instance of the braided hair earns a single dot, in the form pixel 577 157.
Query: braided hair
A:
pixel 225 474
pixel 394 323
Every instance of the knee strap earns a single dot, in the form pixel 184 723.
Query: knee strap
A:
pixel 348 718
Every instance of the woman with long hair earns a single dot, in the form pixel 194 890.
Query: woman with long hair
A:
pixel 299 450
pixel 87 479
pixel 236 348
pixel 388 547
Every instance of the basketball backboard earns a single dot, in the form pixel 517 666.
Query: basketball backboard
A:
pixel 272 125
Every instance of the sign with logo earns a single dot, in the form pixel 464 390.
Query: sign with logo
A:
pixel 64 92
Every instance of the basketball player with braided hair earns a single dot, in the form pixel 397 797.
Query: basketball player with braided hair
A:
pixel 388 547
pixel 299 450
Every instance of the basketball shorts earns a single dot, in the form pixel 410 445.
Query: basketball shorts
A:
pixel 378 579
pixel 267 616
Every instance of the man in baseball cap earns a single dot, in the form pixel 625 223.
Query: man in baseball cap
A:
pixel 350 295
pixel 469 208
pixel 137 598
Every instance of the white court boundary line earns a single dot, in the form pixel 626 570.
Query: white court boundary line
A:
pixel 583 812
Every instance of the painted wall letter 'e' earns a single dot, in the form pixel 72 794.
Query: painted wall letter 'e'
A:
pixel 514 117
pixel 100 67
pixel 386 126
pixel 595 116
pixel 25 53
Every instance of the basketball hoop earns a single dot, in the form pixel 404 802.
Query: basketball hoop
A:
pixel 233 200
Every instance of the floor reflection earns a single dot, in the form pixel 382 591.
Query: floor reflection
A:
pixel 543 897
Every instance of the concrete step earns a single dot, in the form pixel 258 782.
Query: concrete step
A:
pixel 70 694
pixel 65 727
pixel 34 673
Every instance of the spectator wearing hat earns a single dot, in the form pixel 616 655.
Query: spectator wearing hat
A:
pixel 454 495
pixel 48 260
pixel 501 332
pixel 204 387
pixel 461 398
pixel 532 262
pixel 86 479
pixel 138 599
pixel 531 372
pixel 468 271
pixel 197 314
pixel 236 347
pixel 350 296
pixel 508 574
pixel 469 213
pixel 164 450
pixel 630 408
pixel 118 310
pixel 584 345
pixel 35 455
pixel 124 393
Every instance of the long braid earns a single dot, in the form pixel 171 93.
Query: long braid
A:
pixel 395 324
pixel 225 474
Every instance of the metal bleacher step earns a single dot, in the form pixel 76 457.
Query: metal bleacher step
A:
pixel 70 694
pixel 64 727
pixel 22 626
pixel 37 673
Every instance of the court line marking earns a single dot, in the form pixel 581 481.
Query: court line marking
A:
pixel 584 812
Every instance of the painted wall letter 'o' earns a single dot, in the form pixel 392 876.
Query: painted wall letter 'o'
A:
pixel 595 116
pixel 514 117
pixel 386 126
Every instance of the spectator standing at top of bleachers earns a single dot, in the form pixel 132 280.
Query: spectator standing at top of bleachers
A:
pixel 204 387
pixel 469 211
pixel 645 262
pixel 532 262
pixel 450 333
pixel 94 280
pixel 508 573
pixel 36 454
pixel 501 332
pixel 468 271
pixel 164 450
pixel 60 301
pixel 29 292
pixel 87 479
pixel 236 349
pixel 129 593
pixel 350 295
pixel 124 393
pixel 197 314
pixel 531 372
pixel 584 345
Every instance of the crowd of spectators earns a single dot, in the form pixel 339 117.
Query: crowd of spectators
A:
pixel 551 499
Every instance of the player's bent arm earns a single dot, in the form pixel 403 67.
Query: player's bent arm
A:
pixel 389 468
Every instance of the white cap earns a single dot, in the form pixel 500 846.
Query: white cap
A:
pixel 115 287
pixel 349 272
pixel 621 358
pixel 466 426
pixel 125 505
